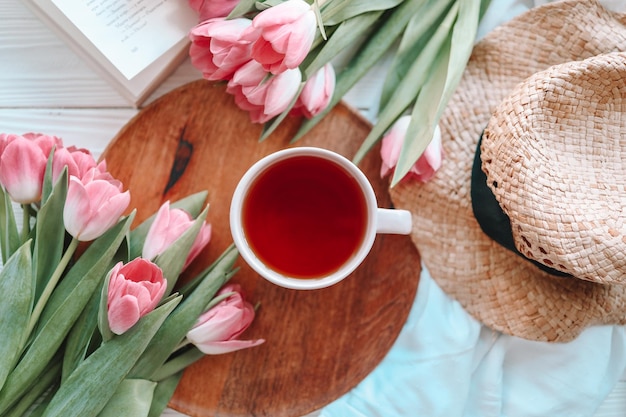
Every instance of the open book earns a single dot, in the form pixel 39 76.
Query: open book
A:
pixel 133 44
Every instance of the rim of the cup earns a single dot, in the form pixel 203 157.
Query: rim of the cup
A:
pixel 273 276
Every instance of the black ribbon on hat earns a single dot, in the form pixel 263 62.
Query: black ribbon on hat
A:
pixel 492 220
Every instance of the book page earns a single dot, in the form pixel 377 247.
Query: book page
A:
pixel 131 34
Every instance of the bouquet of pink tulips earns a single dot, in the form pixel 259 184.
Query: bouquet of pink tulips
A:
pixel 278 58
pixel 103 330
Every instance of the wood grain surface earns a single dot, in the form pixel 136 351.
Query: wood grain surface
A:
pixel 319 344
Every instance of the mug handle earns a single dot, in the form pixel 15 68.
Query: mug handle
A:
pixel 393 221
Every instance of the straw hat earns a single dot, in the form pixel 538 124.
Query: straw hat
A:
pixel 549 91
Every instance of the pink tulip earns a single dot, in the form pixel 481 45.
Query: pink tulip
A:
pixel 5 139
pixel 169 224
pixel 263 97
pixel 135 289
pixel 317 92
pixel 77 160
pixel 208 9
pixel 427 164
pixel 45 142
pixel 22 167
pixel 217 330
pixel 94 204
pixel 282 35
pixel 217 49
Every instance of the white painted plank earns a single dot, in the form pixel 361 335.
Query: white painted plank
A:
pixel 88 128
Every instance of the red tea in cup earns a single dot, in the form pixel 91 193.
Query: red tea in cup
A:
pixel 304 216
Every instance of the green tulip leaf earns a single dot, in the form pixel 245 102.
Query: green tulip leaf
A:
pixel 409 88
pixel 94 382
pixel 242 8
pixel 336 12
pixel 50 233
pixel 133 397
pixel 163 393
pixel 484 5
pixel 178 363
pixel 16 302
pixel 47 185
pixel 62 310
pixel 422 125
pixel 368 55
pixel 80 336
pixel 10 235
pixel 191 285
pixel 435 95
pixel 103 310
pixel 416 36
pixel 38 393
pixel 345 34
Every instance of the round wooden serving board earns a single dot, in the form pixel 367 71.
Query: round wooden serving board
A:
pixel 319 344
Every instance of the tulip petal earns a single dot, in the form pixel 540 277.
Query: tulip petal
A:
pixel 63 158
pixel 76 205
pixel 123 314
pixel 105 216
pixel 282 13
pixel 202 239
pixel 218 348
pixel 392 144
pixel 168 226
pixel 284 87
pixel 247 317
pixel 220 324
pixel 155 241
pixel 282 35
pixel 218 47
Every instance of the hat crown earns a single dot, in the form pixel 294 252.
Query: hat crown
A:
pixel 553 153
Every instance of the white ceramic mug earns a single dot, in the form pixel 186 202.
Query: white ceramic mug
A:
pixel 309 193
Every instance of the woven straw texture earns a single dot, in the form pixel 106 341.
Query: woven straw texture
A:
pixel 499 288
pixel 553 153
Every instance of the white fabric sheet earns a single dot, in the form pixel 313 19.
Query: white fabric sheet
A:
pixel 445 363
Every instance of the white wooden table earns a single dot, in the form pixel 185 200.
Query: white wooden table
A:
pixel 45 87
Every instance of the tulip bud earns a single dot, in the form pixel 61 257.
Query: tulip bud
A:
pixel 282 35
pixel 317 92
pixel 263 98
pixel 217 49
pixel 217 329
pixel 78 162
pixel 135 289
pixel 93 205
pixel 168 225
pixel 427 164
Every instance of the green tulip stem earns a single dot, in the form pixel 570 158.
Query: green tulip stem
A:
pixel 26 222
pixel 51 285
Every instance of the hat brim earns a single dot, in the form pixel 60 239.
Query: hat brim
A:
pixel 499 288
